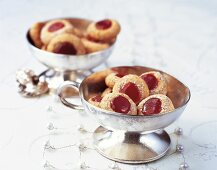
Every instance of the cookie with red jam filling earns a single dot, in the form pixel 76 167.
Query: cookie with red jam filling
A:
pixel 112 78
pixel 118 102
pixel 104 31
pixel 106 91
pixel 133 86
pixel 54 28
pixel 35 32
pixel 155 104
pixel 156 82
pixel 67 44
pixel 92 46
pixel 95 100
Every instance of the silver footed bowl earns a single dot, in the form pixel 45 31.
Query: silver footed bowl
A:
pixel 128 138
pixel 62 62
pixel 95 83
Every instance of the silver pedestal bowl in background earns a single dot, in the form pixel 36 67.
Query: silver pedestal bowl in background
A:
pixel 69 67
pixel 128 138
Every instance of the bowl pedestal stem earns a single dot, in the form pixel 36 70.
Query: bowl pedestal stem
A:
pixel 56 77
pixel 131 147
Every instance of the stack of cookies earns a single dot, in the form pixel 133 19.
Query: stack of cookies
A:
pixel 62 37
pixel 132 94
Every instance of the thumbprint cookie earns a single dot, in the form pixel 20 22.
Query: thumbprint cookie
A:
pixel 95 100
pixel 54 28
pixel 106 91
pixel 118 102
pixel 155 104
pixel 133 86
pixel 156 82
pixel 35 32
pixel 105 30
pixel 92 46
pixel 112 78
pixel 66 44
pixel 77 32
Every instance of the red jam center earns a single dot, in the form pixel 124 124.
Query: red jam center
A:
pixel 104 24
pixel 150 80
pixel 56 26
pixel 120 104
pixel 65 48
pixel 132 91
pixel 152 106
pixel 96 98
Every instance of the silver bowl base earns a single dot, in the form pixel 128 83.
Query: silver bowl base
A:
pixel 131 147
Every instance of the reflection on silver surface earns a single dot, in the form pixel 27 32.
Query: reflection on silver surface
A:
pixel 131 147
pixel 129 138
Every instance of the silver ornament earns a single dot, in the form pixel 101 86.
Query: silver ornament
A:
pixel 47 166
pixel 49 109
pixel 179 148
pixel 81 129
pixel 24 76
pixel 50 126
pixel 150 168
pixel 82 148
pixel 83 165
pixel 179 131
pixel 48 146
pixel 183 166
pixel 114 167
pixel 30 84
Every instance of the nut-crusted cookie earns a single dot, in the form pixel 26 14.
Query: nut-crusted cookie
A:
pixel 105 30
pixel 156 82
pixel 112 78
pixel 35 32
pixel 66 44
pixel 77 32
pixel 133 86
pixel 95 100
pixel 92 46
pixel 155 104
pixel 118 102
pixel 106 91
pixel 54 28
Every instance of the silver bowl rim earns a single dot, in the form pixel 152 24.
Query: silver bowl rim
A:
pixel 130 116
pixel 28 38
